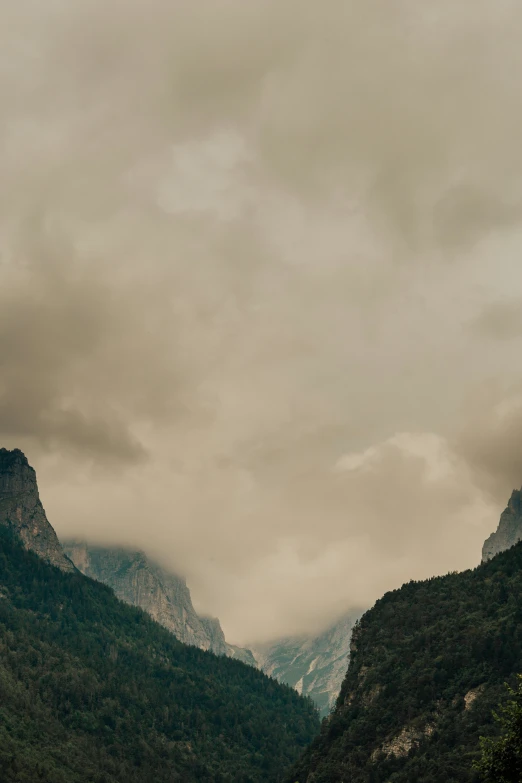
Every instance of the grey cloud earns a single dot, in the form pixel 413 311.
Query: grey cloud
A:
pixel 63 330
pixel 43 343
pixel 465 214
pixel 501 320
pixel 406 112
pixel 490 442
pixel 224 241
pixel 284 553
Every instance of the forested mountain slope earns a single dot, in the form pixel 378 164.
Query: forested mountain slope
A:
pixel 428 665
pixel 93 691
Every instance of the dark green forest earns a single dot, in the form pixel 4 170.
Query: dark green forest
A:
pixel 428 668
pixel 93 691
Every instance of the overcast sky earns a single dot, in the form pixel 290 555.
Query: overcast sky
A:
pixel 261 287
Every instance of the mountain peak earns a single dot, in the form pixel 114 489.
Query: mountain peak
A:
pixel 13 455
pixel 21 509
pixel 515 502
pixel 509 531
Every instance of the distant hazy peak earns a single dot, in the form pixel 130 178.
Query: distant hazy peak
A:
pixel 314 665
pixel 21 509
pixel 509 531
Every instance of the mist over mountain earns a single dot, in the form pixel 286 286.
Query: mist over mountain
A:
pixel 94 690
pixel 139 581
pixel 262 258
pixel 428 666
pixel 260 308
pixel 314 665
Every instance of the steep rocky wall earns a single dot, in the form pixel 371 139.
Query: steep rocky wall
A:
pixel 21 509
pixel 314 665
pixel 509 531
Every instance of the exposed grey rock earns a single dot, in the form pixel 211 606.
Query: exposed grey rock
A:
pixel 21 509
pixel 401 745
pixel 314 666
pixel 242 654
pixel 215 634
pixel 139 581
pixel 509 531
pixel 220 646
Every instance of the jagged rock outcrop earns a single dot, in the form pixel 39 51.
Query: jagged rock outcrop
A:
pixel 21 509
pixel 314 666
pixel 139 581
pixel 509 531
pixel 408 739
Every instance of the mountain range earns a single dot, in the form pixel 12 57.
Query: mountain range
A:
pixel 313 665
pixel 92 690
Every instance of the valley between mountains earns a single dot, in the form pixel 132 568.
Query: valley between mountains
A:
pixel 314 665
pixel 95 689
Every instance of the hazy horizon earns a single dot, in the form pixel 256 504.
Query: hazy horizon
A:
pixel 261 290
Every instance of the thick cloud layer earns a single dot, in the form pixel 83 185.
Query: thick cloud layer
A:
pixel 260 286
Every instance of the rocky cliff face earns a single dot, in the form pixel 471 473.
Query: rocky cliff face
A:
pixel 242 654
pixel 139 581
pixel 314 666
pixel 21 509
pixel 509 531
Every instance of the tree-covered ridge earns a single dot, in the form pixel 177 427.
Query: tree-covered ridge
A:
pixel 93 691
pixel 428 666
pixel 501 759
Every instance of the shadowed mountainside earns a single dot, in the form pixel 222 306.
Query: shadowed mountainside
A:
pixel 428 665
pixel 94 691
